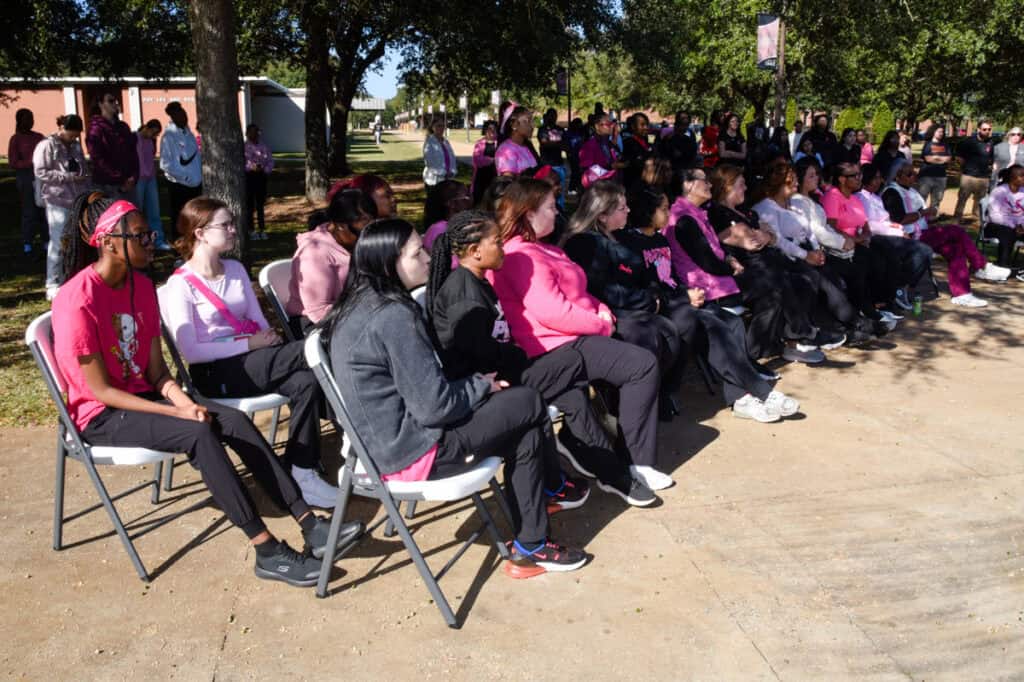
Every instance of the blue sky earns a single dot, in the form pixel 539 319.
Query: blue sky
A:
pixel 385 84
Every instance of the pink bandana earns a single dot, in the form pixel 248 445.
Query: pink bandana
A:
pixel 109 219
pixel 508 112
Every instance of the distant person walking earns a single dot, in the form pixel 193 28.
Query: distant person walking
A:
pixel 181 162
pixel 19 156
pixel 147 197
pixel 258 164
pixel 111 144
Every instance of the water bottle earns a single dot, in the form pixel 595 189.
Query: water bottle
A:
pixel 918 301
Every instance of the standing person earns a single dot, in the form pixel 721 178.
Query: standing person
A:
pixel 259 162
pixel 147 198
pixel 106 327
pixel 935 157
pixel 448 198
pixel 795 137
pixel 19 156
pixel 1006 214
pixel 887 153
pixel 416 423
pixel 1007 153
pixel 824 140
pixel 181 162
pixel 732 147
pixel 806 151
pixel 975 156
pixel 574 138
pixel 515 152
pixel 216 321
pixel 867 152
pixel 679 147
pixel 483 161
pixel 600 158
pixel 551 137
pixel 62 172
pixel 111 144
pixel 848 150
pixel 778 144
pixel 439 161
pixel 709 140
pixel 905 149
pixel 636 149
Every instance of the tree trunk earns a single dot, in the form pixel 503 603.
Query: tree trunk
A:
pixel 216 61
pixel 339 135
pixel 318 88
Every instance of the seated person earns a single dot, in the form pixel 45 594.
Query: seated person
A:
pixel 1006 213
pixel 374 186
pixel 320 263
pixel 215 319
pixel 417 424
pixel 121 394
pixel 448 198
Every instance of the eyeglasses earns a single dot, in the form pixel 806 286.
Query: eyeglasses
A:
pixel 227 227
pixel 1014 134
pixel 145 238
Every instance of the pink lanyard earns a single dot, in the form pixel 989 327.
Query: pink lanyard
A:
pixel 241 327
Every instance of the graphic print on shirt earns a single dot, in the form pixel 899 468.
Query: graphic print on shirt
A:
pixel 661 259
pixel 500 331
pixel 127 345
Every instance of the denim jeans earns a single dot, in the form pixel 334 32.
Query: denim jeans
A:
pixel 147 198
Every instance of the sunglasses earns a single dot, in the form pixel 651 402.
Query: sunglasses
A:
pixel 145 238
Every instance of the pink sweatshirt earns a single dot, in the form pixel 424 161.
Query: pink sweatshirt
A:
pixel 319 268
pixel 199 331
pixel 544 297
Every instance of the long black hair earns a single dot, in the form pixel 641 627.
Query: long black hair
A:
pixel 435 206
pixel 801 167
pixel 464 229
pixel 644 201
pixel 373 269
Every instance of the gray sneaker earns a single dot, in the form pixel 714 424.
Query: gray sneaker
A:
pixel 634 492
pixel 287 565
pixel 808 357
pixel 316 538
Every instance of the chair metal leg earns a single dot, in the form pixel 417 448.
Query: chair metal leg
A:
pixel 58 492
pixel 499 495
pixel 275 420
pixel 116 519
pixel 389 529
pixel 169 474
pixel 158 471
pixel 410 509
pixel 344 490
pixel 499 544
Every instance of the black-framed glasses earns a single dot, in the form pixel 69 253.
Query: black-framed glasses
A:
pixel 145 238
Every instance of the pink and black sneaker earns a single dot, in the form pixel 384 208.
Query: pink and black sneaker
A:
pixel 571 494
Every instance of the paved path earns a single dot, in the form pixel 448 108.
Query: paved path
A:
pixel 879 537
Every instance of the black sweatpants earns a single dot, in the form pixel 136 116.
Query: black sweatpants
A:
pixel 561 379
pixel 1007 237
pixel 779 310
pixel 202 442
pixel 512 424
pixel 722 336
pixel 657 334
pixel 255 199
pixel 178 195
pixel 855 272
pixel 274 369
pixel 828 287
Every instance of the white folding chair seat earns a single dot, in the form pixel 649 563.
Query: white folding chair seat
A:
pixel 70 444
pixel 360 475
pixel 275 279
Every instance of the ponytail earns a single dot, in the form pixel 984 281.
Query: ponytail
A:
pixel 464 229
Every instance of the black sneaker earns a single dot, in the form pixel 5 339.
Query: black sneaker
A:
pixel 316 538
pixel 828 340
pixel 570 447
pixel 287 565
pixel 573 493
pixel 550 556
pixel 631 490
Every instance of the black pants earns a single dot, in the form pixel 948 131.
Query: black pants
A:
pixel 178 195
pixel 275 369
pixel 855 272
pixel 657 334
pixel 779 310
pixel 202 442
pixel 634 372
pixel 1007 237
pixel 512 424
pixel 33 219
pixel 722 337
pixel 906 261
pixel 828 287
pixel 561 379
pixel 255 199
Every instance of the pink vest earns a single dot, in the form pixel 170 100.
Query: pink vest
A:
pixel 715 286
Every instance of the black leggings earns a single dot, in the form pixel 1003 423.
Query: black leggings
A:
pixel 779 310
pixel 855 272
pixel 255 198
pixel 1007 237
pixel 512 424
pixel 274 369
pixel 660 336
pixel 202 442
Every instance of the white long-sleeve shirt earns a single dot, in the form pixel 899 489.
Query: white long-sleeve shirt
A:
pixel 791 229
pixel 878 218
pixel 828 237
pixel 178 146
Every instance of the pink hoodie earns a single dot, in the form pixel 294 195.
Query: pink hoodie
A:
pixel 544 297
pixel 319 269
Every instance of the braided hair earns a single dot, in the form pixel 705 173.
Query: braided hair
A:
pixel 465 229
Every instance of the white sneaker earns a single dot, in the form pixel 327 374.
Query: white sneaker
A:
pixel 808 357
pixel 651 477
pixel 969 301
pixel 992 273
pixel 781 404
pixel 749 407
pixel 889 315
pixel 315 491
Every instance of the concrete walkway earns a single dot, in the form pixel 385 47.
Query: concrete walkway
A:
pixel 881 536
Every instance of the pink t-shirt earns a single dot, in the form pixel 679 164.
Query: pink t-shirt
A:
pixel 513 158
pixel 417 471
pixel 89 318
pixel 199 330
pixel 848 212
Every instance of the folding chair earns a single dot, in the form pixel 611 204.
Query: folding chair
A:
pixel 70 444
pixel 981 241
pixel 360 475
pixel 249 404
pixel 275 280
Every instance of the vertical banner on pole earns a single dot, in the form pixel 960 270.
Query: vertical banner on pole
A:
pixel 767 41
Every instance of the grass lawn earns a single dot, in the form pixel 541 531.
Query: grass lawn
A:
pixel 23 399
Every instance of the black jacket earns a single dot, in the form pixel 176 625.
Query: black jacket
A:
pixel 471 330
pixel 615 274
